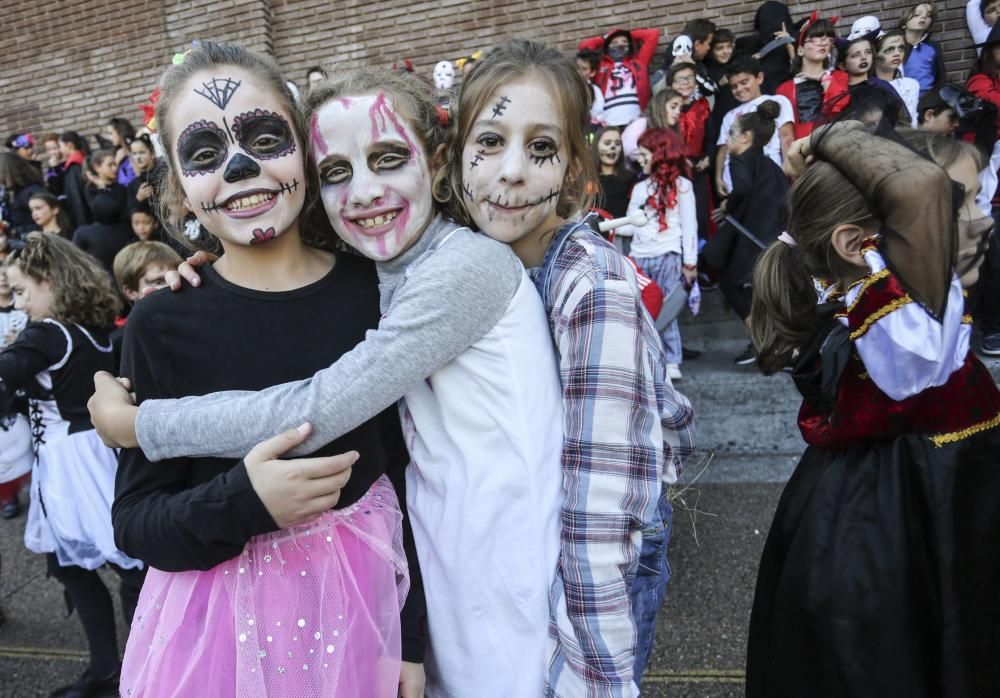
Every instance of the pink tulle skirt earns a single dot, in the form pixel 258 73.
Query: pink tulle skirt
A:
pixel 311 610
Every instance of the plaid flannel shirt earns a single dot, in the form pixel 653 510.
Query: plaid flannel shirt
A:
pixel 626 433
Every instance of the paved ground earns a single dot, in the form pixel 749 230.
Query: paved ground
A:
pixel 748 448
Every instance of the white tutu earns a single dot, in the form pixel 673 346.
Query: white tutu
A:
pixel 16 454
pixel 72 487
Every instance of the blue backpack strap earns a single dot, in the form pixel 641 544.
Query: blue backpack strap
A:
pixel 552 254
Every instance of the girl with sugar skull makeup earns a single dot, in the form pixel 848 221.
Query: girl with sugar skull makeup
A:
pixel 259 587
pixel 519 170
pixel 463 341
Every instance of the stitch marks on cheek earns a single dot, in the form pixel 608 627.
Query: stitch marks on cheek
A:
pixel 500 107
pixel 476 160
pixel 234 203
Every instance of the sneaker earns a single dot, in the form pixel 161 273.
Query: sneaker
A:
pixel 746 357
pixel 991 345
pixel 674 371
pixel 89 685
pixel 10 509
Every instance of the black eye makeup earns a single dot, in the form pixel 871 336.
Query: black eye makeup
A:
pixel 334 172
pixel 201 148
pixel 264 134
pixel 542 150
pixel 388 156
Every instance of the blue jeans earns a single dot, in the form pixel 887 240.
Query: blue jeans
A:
pixel 649 588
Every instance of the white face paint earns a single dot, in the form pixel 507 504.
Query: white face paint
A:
pixel 514 161
pixel 241 164
pixel 682 46
pixel 375 180
pixel 444 75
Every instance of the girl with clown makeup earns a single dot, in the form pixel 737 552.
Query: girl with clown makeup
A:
pixel 267 577
pixel 463 341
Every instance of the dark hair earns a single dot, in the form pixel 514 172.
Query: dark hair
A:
pixel 144 139
pixel 16 172
pixel 699 29
pixel 743 64
pixel 822 28
pixel 62 216
pixel 848 45
pixel 76 140
pixel 143 207
pixel 986 64
pixel 759 123
pixel 315 69
pixel 679 68
pixel 725 36
pixel 208 54
pixel 621 171
pixel 506 63
pixel 593 58
pixel 124 129
pixel 97 157
pixel 11 141
pixel 931 100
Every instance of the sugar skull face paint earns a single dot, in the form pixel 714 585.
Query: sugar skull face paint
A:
pixel 240 162
pixel 514 161
pixel 375 180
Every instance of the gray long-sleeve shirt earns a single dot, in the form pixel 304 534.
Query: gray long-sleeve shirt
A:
pixel 437 299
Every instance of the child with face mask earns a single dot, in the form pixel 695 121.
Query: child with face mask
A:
pixel 623 72
pixel 463 341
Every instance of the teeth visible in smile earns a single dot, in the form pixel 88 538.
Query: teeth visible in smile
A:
pixel 376 221
pixel 252 201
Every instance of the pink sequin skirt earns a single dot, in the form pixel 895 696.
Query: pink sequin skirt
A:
pixel 311 610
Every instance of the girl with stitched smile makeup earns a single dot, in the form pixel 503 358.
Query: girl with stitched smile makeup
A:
pixel 463 341
pixel 522 115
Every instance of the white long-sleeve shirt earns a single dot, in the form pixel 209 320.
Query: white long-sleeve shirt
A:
pixel 680 235
pixel 978 28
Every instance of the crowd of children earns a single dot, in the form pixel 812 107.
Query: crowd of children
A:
pixel 443 447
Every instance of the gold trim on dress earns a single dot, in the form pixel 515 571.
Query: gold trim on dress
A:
pixel 879 314
pixel 865 284
pixel 942 439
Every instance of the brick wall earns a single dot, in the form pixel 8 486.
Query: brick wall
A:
pixel 76 63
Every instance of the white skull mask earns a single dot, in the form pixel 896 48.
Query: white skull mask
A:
pixel 864 26
pixel 444 75
pixel 682 46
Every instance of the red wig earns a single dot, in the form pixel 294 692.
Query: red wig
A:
pixel 668 163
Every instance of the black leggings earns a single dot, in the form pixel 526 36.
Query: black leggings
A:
pixel 85 591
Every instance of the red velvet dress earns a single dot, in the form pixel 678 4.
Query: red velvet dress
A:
pixel 880 573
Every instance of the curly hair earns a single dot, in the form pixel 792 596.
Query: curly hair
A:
pixel 82 293
pixel 667 165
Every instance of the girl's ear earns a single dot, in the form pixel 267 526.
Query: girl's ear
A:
pixel 438 158
pixel 846 240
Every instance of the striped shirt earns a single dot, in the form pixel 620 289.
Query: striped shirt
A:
pixel 626 432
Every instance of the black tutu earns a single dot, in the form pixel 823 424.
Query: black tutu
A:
pixel 881 575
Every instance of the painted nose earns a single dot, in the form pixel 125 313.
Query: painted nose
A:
pixel 239 168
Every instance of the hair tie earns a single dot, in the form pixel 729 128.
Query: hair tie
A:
pixel 442 115
pixel 787 239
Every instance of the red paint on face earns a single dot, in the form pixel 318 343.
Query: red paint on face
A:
pixel 317 137
pixel 381 116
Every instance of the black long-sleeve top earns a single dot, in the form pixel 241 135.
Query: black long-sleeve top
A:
pixel 194 513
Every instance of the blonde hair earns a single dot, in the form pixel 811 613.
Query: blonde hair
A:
pixel 509 61
pixel 209 54
pixel 132 261
pixel 81 288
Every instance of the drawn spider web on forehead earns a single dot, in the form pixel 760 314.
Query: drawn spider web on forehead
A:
pixel 219 91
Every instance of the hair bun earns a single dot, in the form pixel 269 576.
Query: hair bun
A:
pixel 769 109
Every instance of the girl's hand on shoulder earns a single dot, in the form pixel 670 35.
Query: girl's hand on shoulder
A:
pixel 112 410
pixel 799 156
pixel 411 680
pixel 187 271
